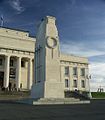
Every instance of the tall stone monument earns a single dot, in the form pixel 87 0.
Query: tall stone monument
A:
pixel 47 63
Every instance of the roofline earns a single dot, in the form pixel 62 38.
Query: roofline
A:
pixel 32 36
pixel 15 29
pixel 67 54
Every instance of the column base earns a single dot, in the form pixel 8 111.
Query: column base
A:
pixel 5 89
pixel 17 89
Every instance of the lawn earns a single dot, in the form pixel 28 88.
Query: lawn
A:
pixel 98 94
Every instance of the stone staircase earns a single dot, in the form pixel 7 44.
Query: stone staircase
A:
pixel 82 96
pixel 24 97
pixel 13 95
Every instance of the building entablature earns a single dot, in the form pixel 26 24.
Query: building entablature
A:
pixel 13 33
pixel 73 59
pixel 73 64
pixel 17 40
pixel 16 53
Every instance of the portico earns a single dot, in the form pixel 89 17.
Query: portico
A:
pixel 16 60
pixel 12 68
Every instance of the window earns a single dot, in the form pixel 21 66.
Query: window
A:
pixel 12 74
pixel 75 83
pixel 66 83
pixel 66 70
pixel 11 63
pixel 22 63
pixel 82 71
pixel 75 71
pixel 82 83
pixel 1 61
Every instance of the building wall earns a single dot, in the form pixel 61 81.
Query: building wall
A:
pixel 16 40
pixel 74 62
pixel 18 44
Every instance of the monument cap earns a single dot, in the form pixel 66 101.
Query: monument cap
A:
pixel 50 17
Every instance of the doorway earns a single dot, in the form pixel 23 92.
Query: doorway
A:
pixel 1 79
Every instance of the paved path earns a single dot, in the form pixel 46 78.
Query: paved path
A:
pixel 13 111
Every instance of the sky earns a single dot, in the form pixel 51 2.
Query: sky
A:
pixel 81 26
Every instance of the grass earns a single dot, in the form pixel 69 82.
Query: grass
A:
pixel 98 94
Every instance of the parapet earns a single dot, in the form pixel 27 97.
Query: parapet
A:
pixel 73 58
pixel 15 33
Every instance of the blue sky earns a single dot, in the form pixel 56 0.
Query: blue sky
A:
pixel 81 25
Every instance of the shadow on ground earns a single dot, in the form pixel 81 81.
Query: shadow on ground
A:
pixel 14 111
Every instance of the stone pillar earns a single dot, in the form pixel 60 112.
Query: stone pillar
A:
pixel 79 78
pixel 87 85
pixel 29 74
pixel 18 73
pixel 33 71
pixel 6 75
pixel 71 77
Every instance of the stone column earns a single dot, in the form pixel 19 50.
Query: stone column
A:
pixel 18 73
pixel 29 73
pixel 6 75
pixel 33 71
pixel 71 77
pixel 87 85
pixel 79 78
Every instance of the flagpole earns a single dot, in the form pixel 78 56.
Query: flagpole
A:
pixel 2 21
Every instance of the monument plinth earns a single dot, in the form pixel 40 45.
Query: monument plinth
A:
pixel 47 62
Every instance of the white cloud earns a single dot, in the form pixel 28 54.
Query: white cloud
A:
pixel 82 49
pixel 16 4
pixel 97 70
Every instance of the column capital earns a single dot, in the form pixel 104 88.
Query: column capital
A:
pixel 31 58
pixel 8 56
pixel 19 57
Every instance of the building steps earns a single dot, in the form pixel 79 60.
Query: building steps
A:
pixel 14 95
pixel 24 97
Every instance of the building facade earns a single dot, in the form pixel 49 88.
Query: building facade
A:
pixel 57 75
pixel 16 59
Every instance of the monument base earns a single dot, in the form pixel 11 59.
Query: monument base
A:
pixel 50 94
pixel 47 90
pixel 53 101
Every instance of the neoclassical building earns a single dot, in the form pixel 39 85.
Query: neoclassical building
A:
pixel 16 59
pixel 55 74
